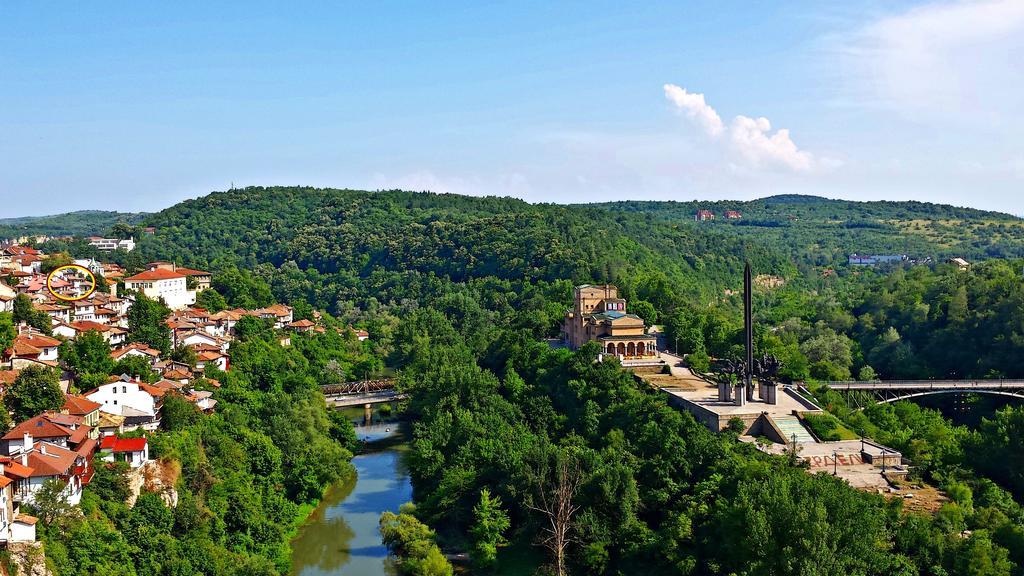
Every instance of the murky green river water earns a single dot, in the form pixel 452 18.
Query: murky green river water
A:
pixel 341 537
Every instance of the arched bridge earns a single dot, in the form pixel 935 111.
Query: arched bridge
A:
pixel 896 390
pixel 361 393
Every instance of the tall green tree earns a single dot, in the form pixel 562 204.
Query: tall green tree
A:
pixel 7 330
pixel 87 354
pixel 146 323
pixel 211 300
pixel 35 390
pixel 25 312
pixel 488 532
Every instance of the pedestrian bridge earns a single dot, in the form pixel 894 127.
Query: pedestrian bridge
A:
pixel 362 393
pixel 896 390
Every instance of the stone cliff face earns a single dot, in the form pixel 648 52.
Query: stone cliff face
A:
pixel 29 559
pixel 157 476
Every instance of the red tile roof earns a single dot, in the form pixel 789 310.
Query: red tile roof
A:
pixel 138 346
pixel 14 467
pixel 26 519
pixel 86 325
pixel 156 274
pixel 122 444
pixel 56 462
pixel 39 427
pixel 21 348
pixel 38 340
pixel 79 405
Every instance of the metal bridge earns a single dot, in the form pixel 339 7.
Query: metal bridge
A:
pixel 896 390
pixel 361 393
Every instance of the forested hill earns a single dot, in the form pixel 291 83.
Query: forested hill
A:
pixel 81 223
pixel 820 231
pixel 394 244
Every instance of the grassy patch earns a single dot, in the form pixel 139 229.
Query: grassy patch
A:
pixel 828 428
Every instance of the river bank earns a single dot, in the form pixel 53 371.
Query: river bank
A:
pixel 340 535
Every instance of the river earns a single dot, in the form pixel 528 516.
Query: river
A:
pixel 340 536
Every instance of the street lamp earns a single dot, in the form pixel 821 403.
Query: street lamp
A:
pixel 835 463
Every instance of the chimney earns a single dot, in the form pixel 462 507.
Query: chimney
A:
pixel 26 441
pixel 24 459
pixel 42 448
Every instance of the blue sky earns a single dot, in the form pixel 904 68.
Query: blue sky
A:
pixel 127 106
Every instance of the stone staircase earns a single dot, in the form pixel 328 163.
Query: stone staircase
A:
pixel 790 425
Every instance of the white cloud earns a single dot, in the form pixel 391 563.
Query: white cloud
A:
pixel 751 139
pixel 695 107
pixel 748 138
pixel 958 60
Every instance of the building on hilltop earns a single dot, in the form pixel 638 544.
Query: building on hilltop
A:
pixel 704 215
pixel 875 259
pixel 109 244
pixel 599 315
pixel 733 215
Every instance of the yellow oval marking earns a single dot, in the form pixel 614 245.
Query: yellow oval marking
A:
pixel 49 278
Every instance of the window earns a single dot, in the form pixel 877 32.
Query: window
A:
pixel 124 389
pixel 115 402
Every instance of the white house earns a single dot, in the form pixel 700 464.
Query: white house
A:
pixel 84 310
pixel 166 284
pixel 112 243
pixel 202 338
pixel 49 461
pixel 129 398
pixel 14 526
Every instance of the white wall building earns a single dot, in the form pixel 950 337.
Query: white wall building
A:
pixel 112 243
pixel 166 284
pixel 124 397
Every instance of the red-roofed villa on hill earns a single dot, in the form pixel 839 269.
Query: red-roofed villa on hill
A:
pixel 134 451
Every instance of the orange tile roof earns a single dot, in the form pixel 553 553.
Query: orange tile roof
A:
pixel 56 462
pixel 39 427
pixel 21 348
pixel 38 340
pixel 79 405
pixel 14 467
pixel 8 376
pixel 86 325
pixel 157 274
pixel 152 390
pixel 26 519
pixel 138 346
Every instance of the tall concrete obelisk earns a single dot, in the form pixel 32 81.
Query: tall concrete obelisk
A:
pixel 748 332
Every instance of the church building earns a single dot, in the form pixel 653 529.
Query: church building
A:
pixel 599 314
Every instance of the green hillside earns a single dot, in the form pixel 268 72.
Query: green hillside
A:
pixel 824 232
pixel 81 223
pixel 347 244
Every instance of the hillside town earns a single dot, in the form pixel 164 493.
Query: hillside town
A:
pixel 106 421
